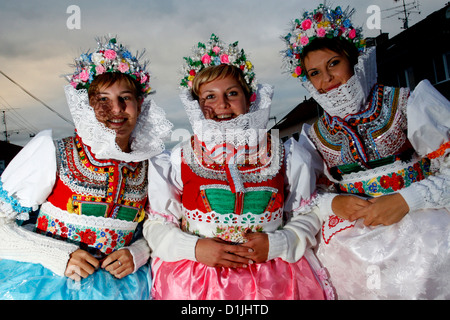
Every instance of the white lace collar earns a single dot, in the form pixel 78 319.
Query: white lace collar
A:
pixel 243 130
pixel 350 97
pixel 147 138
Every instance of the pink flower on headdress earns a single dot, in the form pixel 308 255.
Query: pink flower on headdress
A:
pixel 74 84
pixel 352 34
pixel 123 67
pixel 206 59
pixel 298 70
pixel 216 50
pixel 84 75
pixel 110 54
pixel 253 97
pixel 306 24
pixel 304 40
pixel 321 32
pixel 100 69
pixel 224 58
pixel 144 78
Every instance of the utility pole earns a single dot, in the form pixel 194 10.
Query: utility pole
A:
pixel 6 128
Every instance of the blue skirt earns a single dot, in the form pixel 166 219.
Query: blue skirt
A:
pixel 29 281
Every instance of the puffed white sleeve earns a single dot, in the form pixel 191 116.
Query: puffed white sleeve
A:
pixel 25 184
pixel 428 114
pixel 299 233
pixel 162 227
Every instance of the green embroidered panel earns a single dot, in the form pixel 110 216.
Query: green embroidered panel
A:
pixel 127 213
pixel 223 201
pixel 93 209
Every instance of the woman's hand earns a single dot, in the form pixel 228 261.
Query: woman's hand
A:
pixel 81 264
pixel 385 210
pixel 215 252
pixel 258 242
pixel 348 207
pixel 119 263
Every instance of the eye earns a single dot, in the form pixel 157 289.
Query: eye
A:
pixel 209 97
pixel 334 62
pixel 233 93
pixel 313 73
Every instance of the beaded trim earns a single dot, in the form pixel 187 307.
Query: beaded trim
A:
pixel 367 135
pixel 248 173
pixel 98 180
pixel 10 206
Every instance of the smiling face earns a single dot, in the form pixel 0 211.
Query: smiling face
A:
pixel 223 99
pixel 327 70
pixel 117 107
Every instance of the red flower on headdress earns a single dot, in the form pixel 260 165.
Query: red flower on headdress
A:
pixel 318 16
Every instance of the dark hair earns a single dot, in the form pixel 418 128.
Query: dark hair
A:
pixel 338 45
pixel 222 71
pixel 108 79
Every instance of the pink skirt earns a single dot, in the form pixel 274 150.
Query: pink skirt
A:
pixel 272 280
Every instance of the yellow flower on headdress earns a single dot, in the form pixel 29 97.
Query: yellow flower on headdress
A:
pixel 249 65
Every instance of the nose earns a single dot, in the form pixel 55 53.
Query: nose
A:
pixel 118 105
pixel 223 102
pixel 327 76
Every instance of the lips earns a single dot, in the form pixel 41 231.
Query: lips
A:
pixel 117 122
pixel 224 117
pixel 333 87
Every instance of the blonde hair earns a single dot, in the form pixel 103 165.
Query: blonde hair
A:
pixel 219 72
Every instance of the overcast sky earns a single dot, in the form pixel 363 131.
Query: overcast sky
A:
pixel 37 47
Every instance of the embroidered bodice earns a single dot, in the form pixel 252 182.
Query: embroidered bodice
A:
pixel 222 198
pixel 96 203
pixel 377 132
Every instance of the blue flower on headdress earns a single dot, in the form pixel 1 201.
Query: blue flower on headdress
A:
pixel 127 55
pixel 347 23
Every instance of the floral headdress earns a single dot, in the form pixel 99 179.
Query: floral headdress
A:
pixel 320 23
pixel 109 57
pixel 215 53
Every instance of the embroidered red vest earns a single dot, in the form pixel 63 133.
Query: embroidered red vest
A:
pixel 225 200
pixel 96 203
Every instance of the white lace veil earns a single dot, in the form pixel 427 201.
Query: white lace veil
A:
pixel 151 129
pixel 240 131
pixel 350 97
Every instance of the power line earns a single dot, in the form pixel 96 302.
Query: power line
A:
pixel 37 99
pixel 14 114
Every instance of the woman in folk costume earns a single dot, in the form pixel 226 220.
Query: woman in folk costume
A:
pixel 226 218
pixel 90 189
pixel 385 150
